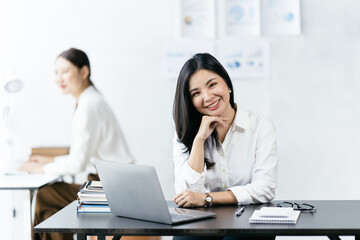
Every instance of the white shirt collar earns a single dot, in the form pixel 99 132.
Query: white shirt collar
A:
pixel 88 91
pixel 241 119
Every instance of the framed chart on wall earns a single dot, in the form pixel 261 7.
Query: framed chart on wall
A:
pixel 198 19
pixel 246 58
pixel 178 52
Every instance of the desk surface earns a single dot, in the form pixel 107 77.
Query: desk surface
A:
pixel 25 181
pixel 332 218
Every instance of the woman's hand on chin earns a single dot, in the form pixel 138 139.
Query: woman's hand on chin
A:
pixel 208 124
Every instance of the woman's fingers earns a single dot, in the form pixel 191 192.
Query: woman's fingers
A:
pixel 178 198
pixel 212 122
pixel 33 158
pixel 222 121
pixel 208 124
pixel 188 198
pixel 181 199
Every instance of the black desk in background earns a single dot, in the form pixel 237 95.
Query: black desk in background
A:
pixel 332 219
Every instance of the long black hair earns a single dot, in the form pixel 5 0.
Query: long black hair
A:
pixel 78 58
pixel 187 119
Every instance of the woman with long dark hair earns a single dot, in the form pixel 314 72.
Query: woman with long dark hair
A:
pixel 95 134
pixel 222 154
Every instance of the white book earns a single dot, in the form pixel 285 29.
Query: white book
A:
pixel 83 208
pixel 275 216
pixel 276 212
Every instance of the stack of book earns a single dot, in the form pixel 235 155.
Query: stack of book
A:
pixel 91 198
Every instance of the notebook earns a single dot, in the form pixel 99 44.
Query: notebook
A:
pixel 134 191
pixel 274 215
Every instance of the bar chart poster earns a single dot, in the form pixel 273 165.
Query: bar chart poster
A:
pixel 177 53
pixel 245 59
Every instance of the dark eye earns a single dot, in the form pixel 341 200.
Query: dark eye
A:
pixel 212 84
pixel 195 94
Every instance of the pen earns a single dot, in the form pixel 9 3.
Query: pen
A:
pixel 241 210
pixel 82 186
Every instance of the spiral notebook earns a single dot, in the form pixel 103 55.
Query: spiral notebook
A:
pixel 272 215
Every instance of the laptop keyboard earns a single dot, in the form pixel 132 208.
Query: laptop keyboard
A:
pixel 180 217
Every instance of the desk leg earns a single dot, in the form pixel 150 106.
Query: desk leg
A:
pixel 357 237
pixel 334 237
pixel 31 191
pixel 81 236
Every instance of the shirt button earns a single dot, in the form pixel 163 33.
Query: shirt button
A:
pixel 225 186
pixel 221 153
pixel 223 170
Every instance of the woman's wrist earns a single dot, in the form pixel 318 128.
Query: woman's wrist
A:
pixel 196 159
pixel 199 140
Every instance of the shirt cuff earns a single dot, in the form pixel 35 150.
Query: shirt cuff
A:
pixel 51 168
pixel 242 196
pixel 192 176
pixel 56 166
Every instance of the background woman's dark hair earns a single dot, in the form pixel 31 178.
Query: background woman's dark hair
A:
pixel 187 119
pixel 78 58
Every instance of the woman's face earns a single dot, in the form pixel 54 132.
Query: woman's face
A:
pixel 68 77
pixel 209 93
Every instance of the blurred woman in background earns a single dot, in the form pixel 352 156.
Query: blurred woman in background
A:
pixel 96 134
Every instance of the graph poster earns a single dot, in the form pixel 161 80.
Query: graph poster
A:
pixel 281 17
pixel 176 54
pixel 245 59
pixel 242 18
pixel 198 18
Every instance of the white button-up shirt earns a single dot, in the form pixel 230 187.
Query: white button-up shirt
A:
pixel 95 134
pixel 245 163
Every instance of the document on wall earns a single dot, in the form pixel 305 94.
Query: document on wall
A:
pixel 177 53
pixel 198 18
pixel 242 18
pixel 281 17
pixel 245 59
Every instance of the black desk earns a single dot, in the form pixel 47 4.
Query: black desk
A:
pixel 333 218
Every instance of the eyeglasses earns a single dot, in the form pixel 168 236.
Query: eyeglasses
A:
pixel 303 207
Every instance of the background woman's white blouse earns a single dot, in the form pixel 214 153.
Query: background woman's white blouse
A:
pixel 245 163
pixel 95 134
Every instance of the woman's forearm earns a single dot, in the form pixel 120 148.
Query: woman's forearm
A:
pixel 196 158
pixel 220 198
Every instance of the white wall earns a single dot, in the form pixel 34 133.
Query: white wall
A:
pixel 315 103
pixel 312 94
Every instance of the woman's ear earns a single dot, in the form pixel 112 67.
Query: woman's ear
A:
pixel 85 72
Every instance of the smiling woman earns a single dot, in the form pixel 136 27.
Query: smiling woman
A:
pixel 222 154
pixel 209 93
pixel 72 72
pixel 96 134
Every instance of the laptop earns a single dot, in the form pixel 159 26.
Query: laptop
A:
pixel 134 191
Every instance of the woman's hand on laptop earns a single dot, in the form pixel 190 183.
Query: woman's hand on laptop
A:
pixel 41 159
pixel 32 167
pixel 188 198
